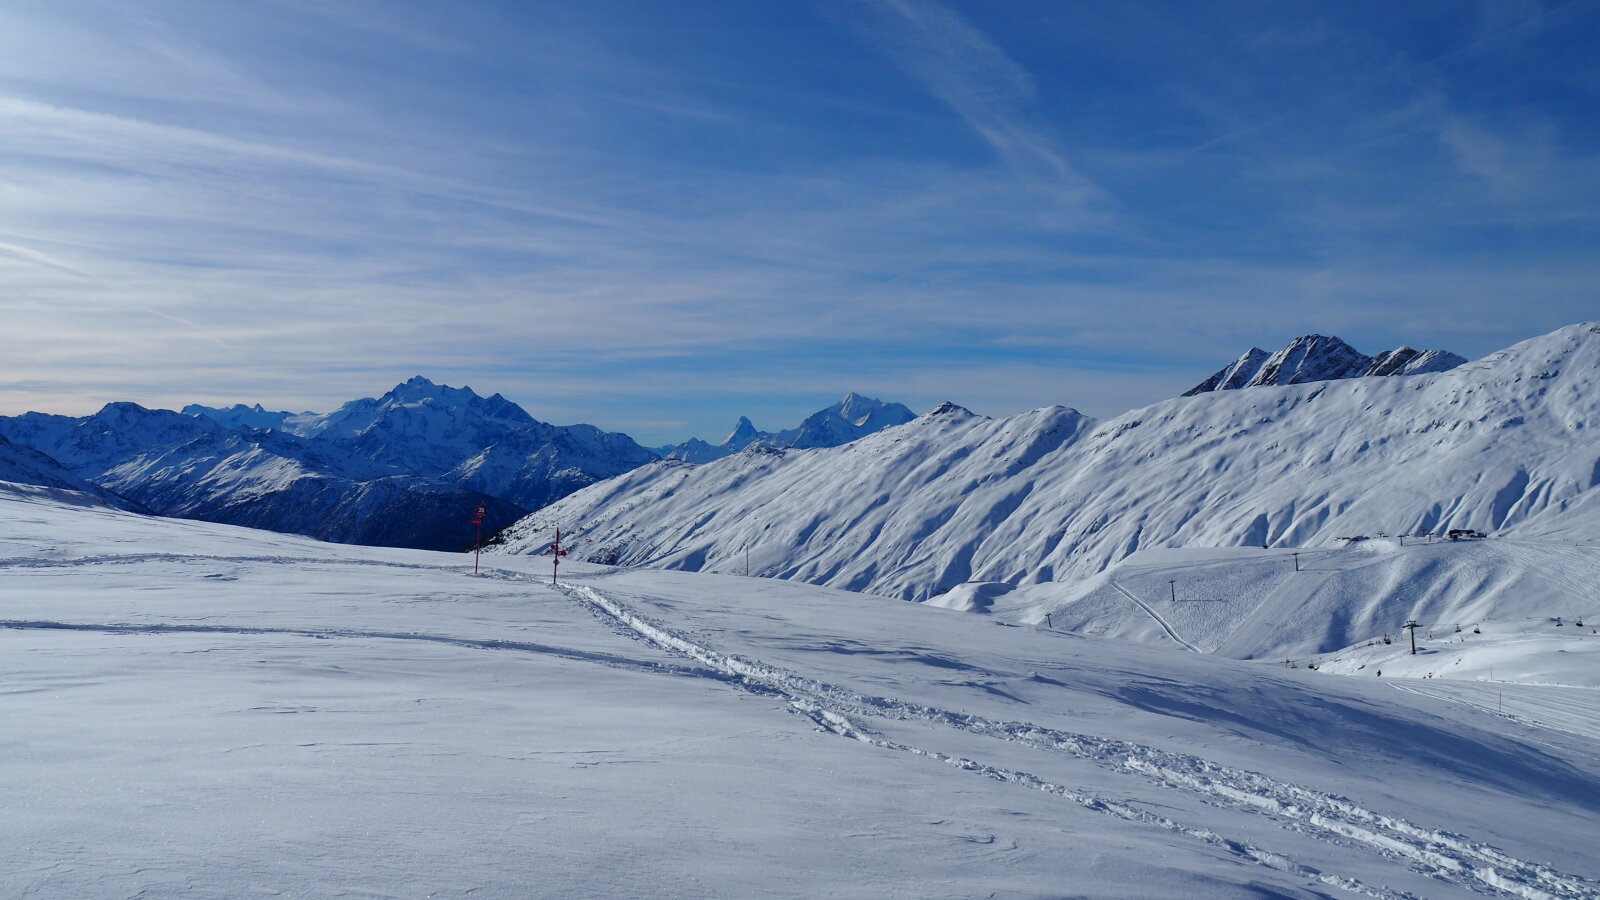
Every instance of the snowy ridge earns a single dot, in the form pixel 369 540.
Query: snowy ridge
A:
pixel 1316 357
pixel 852 418
pixel 255 417
pixel 1502 445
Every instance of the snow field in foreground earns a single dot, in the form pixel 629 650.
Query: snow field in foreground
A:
pixel 193 709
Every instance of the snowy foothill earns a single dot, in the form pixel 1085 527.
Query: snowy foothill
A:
pixel 197 709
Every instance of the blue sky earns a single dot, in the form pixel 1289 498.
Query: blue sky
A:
pixel 656 217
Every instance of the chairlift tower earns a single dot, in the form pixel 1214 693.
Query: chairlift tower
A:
pixel 1412 626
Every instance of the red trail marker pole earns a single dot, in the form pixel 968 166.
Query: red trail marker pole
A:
pixel 555 556
pixel 477 519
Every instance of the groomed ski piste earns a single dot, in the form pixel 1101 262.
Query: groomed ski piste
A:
pixel 199 710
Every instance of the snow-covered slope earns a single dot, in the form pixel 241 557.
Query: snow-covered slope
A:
pixel 274 480
pixel 852 418
pixel 1295 604
pixel 1316 357
pixel 26 466
pixel 1505 445
pixel 193 709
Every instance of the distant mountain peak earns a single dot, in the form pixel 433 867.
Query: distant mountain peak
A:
pixel 742 435
pixel 418 389
pixel 1320 357
pixel 854 416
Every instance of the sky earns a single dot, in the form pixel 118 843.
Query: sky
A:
pixel 657 217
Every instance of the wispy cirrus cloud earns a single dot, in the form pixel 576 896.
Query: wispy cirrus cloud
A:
pixel 969 72
pixel 611 210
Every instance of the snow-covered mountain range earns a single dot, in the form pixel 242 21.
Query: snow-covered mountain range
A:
pixel 405 469
pixel 1316 357
pixel 1505 445
pixel 852 418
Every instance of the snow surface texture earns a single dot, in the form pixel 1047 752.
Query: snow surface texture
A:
pixel 197 709
pixel 1315 357
pixel 851 419
pixel 406 469
pixel 1503 445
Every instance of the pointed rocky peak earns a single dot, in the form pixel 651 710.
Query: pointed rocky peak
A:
pixel 1235 375
pixel 742 434
pixel 1317 357
pixel 1311 357
pixel 950 409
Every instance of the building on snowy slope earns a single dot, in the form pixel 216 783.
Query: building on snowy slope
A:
pixel 1316 357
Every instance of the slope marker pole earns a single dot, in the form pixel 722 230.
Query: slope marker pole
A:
pixel 555 556
pixel 477 519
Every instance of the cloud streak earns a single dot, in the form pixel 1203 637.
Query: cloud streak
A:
pixel 613 214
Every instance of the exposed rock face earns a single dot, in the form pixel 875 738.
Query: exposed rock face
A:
pixel 1316 357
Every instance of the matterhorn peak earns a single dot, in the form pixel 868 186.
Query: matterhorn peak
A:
pixel 742 435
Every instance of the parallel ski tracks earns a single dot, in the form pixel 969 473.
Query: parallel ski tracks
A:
pixel 1443 855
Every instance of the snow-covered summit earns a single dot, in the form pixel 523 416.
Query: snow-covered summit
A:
pixel 253 416
pixel 403 469
pixel 855 416
pixel 1316 357
pixel 418 405
pixel 743 434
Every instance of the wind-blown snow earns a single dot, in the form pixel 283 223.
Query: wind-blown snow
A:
pixel 193 708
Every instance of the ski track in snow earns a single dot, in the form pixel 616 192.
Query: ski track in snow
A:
pixel 136 558
pixel 606 659
pixel 1154 615
pixel 1443 855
